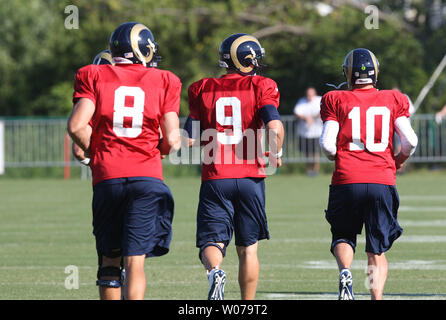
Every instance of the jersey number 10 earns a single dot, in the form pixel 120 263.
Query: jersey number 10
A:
pixel 370 144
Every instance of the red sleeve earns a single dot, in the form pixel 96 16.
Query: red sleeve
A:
pixel 269 93
pixel 173 94
pixel 403 106
pixel 84 84
pixel 328 107
pixel 194 104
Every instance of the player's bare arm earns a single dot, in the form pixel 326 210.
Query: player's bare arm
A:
pixel 275 132
pixel 78 127
pixel 170 129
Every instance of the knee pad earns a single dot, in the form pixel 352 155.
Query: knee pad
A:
pixel 109 272
pixel 213 244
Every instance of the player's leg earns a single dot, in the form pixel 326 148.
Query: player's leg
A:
pixel 135 283
pixel 382 229
pixel 109 276
pixel 147 230
pixel 107 228
pixel 212 255
pixel 377 274
pixel 344 214
pixel 214 231
pixel 250 225
pixel 248 274
pixel 344 254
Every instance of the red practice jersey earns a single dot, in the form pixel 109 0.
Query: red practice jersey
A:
pixel 130 100
pixel 228 111
pixel 366 120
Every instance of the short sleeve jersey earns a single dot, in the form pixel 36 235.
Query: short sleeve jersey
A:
pixel 228 109
pixel 129 102
pixel 366 120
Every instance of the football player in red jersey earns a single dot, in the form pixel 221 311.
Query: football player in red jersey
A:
pixel 358 131
pixel 126 104
pixel 231 111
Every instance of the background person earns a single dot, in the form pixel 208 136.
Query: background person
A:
pixel 309 129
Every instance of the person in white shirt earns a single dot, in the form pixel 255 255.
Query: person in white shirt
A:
pixel 309 129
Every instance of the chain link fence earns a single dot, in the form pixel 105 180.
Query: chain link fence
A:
pixel 31 143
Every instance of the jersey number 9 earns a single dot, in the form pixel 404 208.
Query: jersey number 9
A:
pixel 234 120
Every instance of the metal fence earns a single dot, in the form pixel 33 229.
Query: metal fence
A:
pixel 43 142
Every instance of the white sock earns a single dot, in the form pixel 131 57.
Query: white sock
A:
pixel 212 271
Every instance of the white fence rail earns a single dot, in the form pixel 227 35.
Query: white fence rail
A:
pixel 43 142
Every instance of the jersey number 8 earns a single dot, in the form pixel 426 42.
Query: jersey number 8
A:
pixel 135 112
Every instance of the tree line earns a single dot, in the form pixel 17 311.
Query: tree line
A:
pixel 305 42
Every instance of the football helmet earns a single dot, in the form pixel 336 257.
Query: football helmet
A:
pixel 360 67
pixel 241 52
pixel 135 42
pixel 103 57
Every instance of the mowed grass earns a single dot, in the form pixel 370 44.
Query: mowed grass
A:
pixel 46 226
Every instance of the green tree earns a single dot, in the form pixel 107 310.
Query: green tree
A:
pixel 39 56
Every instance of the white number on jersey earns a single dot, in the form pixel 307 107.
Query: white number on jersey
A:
pixel 135 112
pixel 235 120
pixel 371 114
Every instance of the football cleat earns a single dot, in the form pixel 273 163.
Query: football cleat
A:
pixel 346 285
pixel 217 280
pixel 103 57
pixel 133 42
pixel 241 52
pixel 360 67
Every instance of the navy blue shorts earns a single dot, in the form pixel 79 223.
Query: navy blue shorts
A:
pixel 350 206
pixel 132 216
pixel 232 205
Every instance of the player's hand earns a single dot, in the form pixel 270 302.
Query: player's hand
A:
pixel 278 163
pixel 87 153
pixel 400 160
pixel 399 165
pixel 273 161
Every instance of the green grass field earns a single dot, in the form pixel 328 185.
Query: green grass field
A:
pixel 46 226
